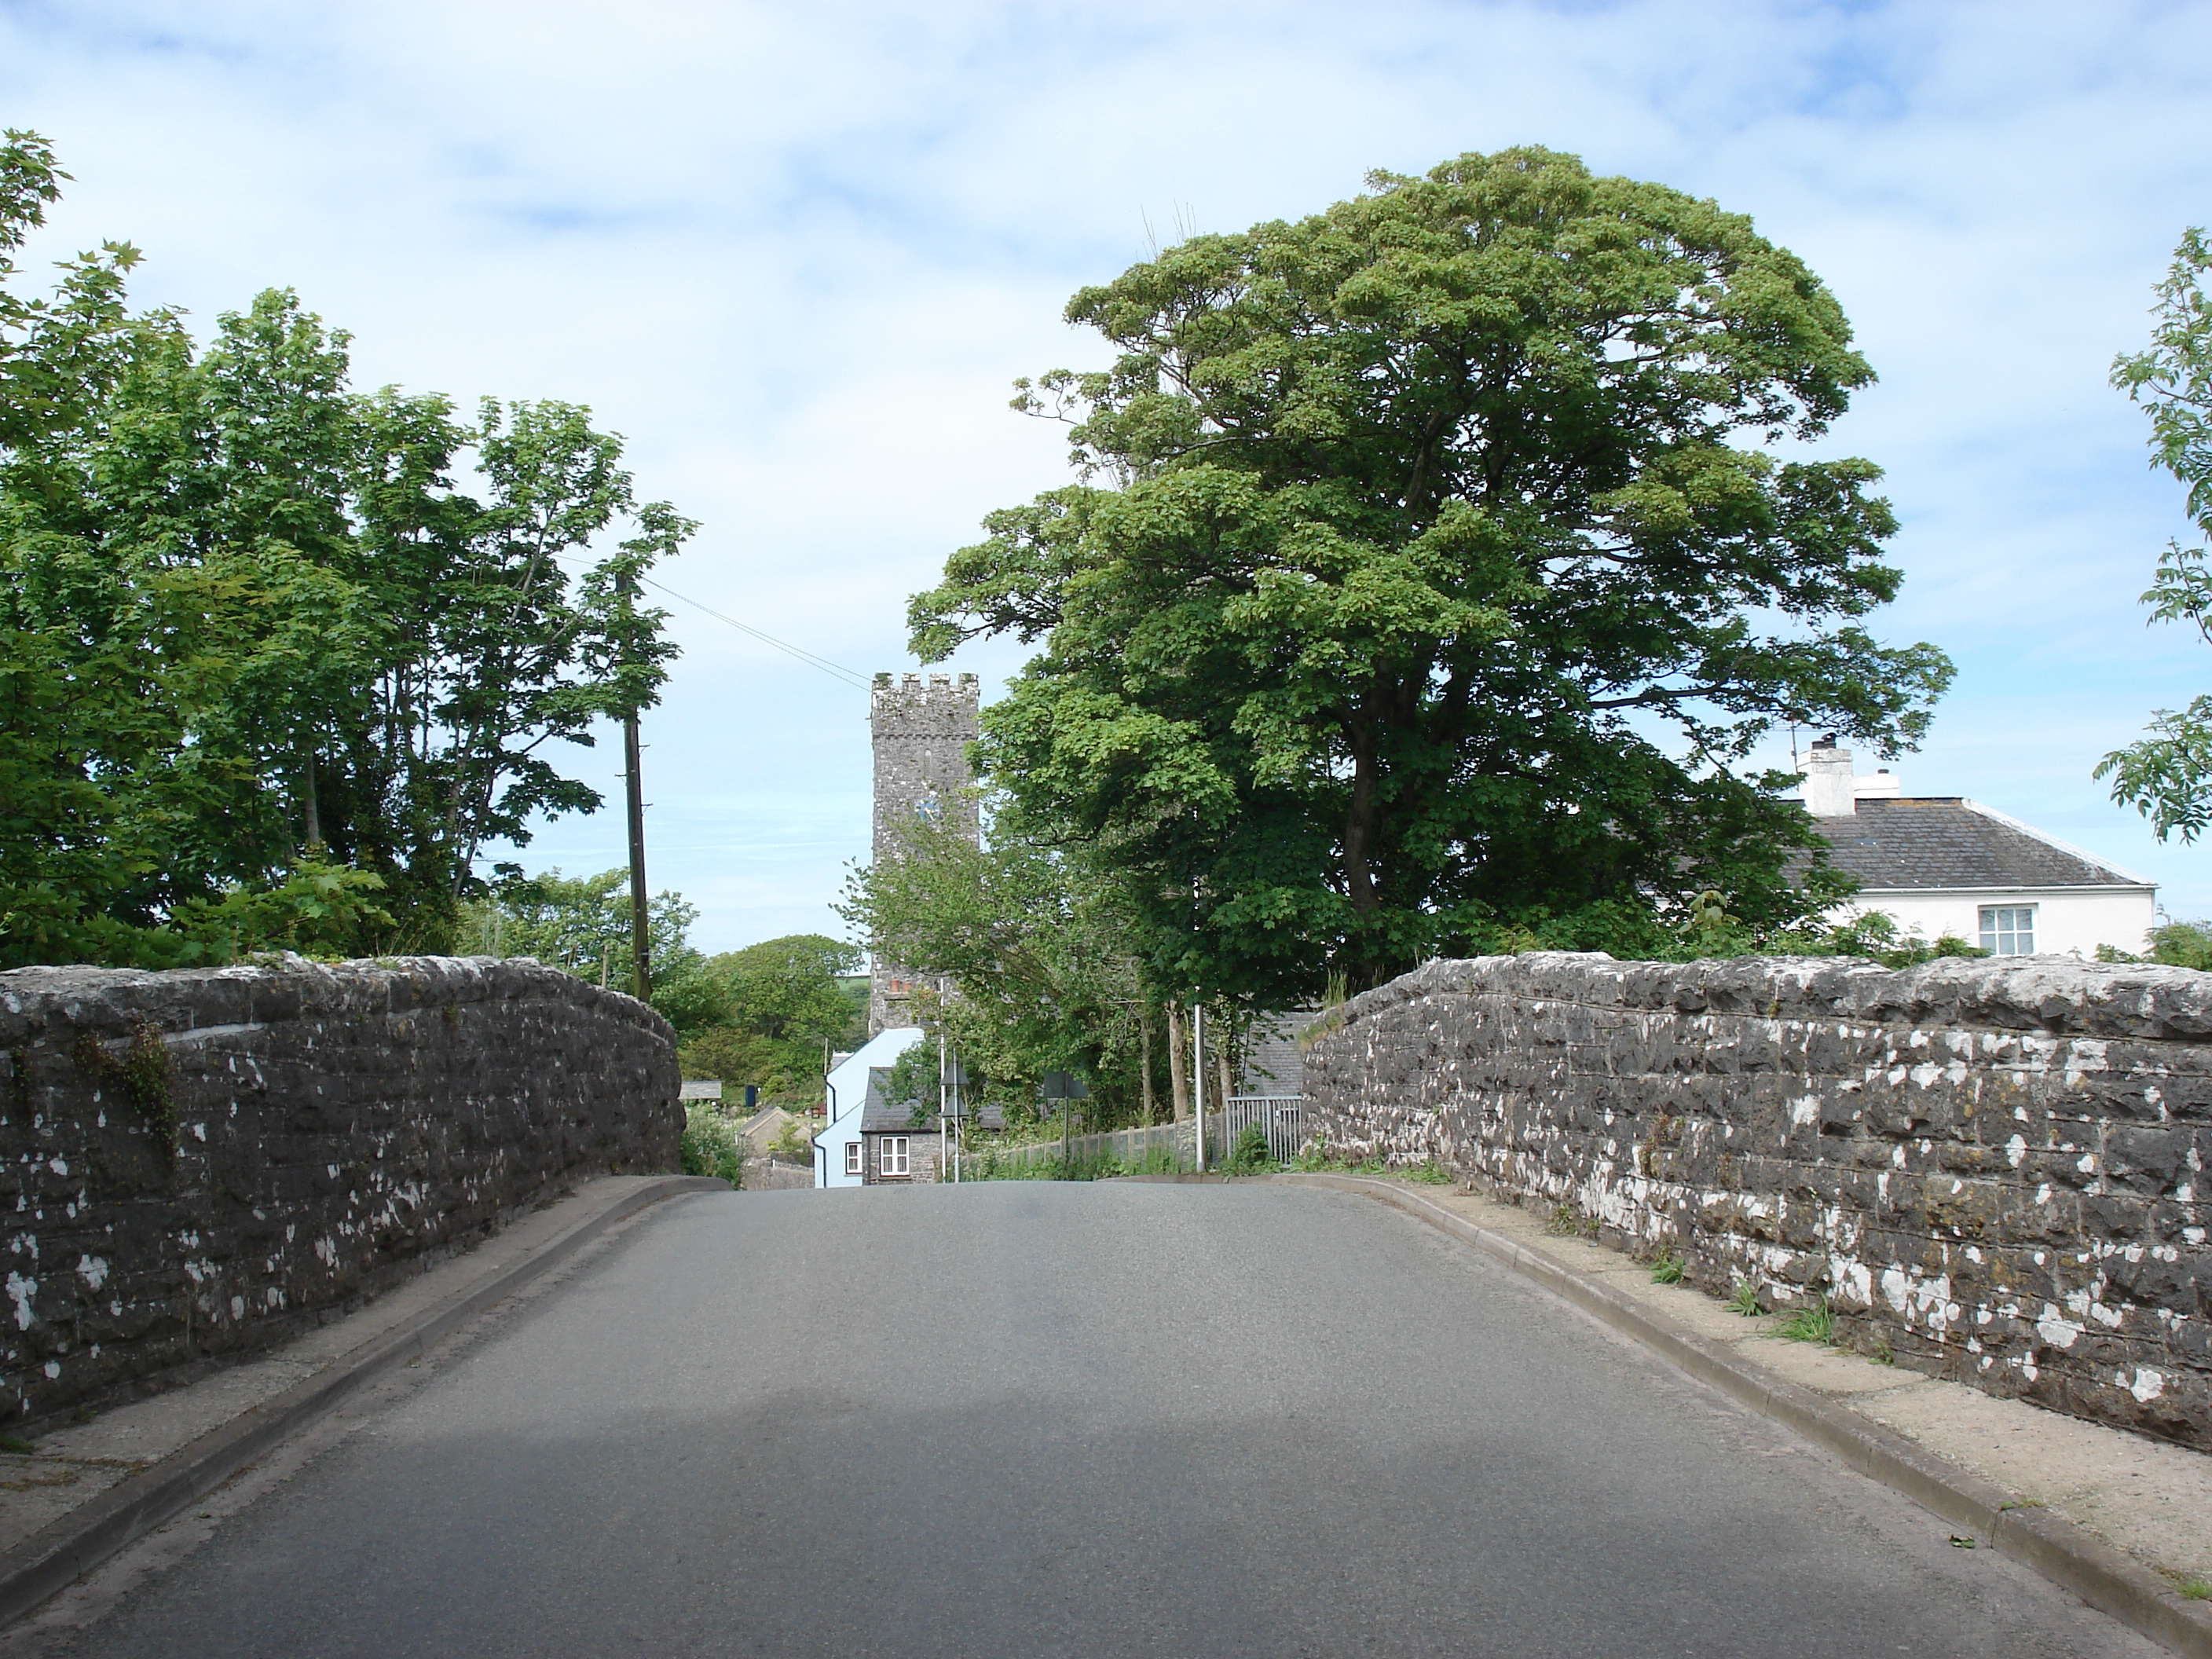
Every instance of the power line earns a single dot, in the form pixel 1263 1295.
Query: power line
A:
pixel 835 669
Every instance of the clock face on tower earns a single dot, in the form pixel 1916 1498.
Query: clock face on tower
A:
pixel 928 808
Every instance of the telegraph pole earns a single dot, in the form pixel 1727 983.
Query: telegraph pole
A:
pixel 641 942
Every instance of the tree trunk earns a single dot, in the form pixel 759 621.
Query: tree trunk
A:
pixel 1145 1061
pixel 1362 839
pixel 1178 1077
pixel 314 808
pixel 1359 825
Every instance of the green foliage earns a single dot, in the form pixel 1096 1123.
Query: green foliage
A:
pixel 257 628
pixel 793 989
pixel 991 1163
pixel 1250 1155
pixel 1744 1300
pixel 761 1016
pixel 1875 935
pixel 1404 531
pixel 711 1145
pixel 579 923
pixel 1816 1324
pixel 2167 776
pixel 145 1074
pixel 1565 1221
pixel 2176 945
pixel 318 907
pixel 1429 1173
pixel 2191 1587
pixel 765 1014
pixel 1037 946
pixel 795 1141
pixel 1668 1269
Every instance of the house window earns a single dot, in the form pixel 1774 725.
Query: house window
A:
pixel 894 1155
pixel 2008 930
pixel 852 1157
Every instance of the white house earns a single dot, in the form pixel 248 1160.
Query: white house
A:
pixel 840 1153
pixel 1942 864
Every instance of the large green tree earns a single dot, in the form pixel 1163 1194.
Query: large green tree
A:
pixel 583 924
pixel 2167 776
pixel 254 623
pixel 1432 574
pixel 768 1014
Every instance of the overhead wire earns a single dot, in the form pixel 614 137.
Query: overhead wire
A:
pixel 836 671
pixel 851 677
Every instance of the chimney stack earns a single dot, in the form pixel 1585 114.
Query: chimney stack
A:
pixel 1828 791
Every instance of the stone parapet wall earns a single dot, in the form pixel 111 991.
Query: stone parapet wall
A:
pixel 1994 1171
pixel 201 1161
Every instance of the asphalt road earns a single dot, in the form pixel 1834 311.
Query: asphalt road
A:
pixel 1026 1420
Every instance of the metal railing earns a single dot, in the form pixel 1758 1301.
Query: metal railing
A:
pixel 1282 1117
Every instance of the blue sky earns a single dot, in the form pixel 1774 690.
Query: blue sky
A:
pixel 795 253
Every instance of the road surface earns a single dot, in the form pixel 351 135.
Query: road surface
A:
pixel 1026 1418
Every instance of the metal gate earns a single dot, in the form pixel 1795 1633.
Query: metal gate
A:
pixel 1283 1117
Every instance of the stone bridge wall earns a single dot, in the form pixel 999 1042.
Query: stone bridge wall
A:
pixel 1996 1172
pixel 204 1160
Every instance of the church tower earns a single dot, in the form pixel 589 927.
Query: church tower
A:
pixel 921 729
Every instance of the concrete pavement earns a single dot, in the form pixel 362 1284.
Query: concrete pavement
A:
pixel 1028 1418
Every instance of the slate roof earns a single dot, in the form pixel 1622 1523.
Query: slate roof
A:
pixel 1933 842
pixel 880 1116
pixel 1273 1062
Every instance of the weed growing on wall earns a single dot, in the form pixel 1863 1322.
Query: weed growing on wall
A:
pixel 1668 1269
pixel 1744 1300
pixel 143 1075
pixel 1565 1221
pixel 1814 1324
pixel 1316 1159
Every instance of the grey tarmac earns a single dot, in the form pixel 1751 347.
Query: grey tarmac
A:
pixel 1042 1418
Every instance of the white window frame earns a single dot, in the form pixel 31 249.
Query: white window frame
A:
pixel 2004 925
pixel 853 1159
pixel 893 1156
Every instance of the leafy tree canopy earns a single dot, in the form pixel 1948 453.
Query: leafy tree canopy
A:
pixel 583 924
pixel 253 620
pixel 1430 572
pixel 2167 776
pixel 766 1014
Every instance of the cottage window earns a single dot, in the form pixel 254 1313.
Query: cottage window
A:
pixel 2008 930
pixel 852 1157
pixel 894 1161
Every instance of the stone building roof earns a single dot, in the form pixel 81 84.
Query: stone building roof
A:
pixel 1936 842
